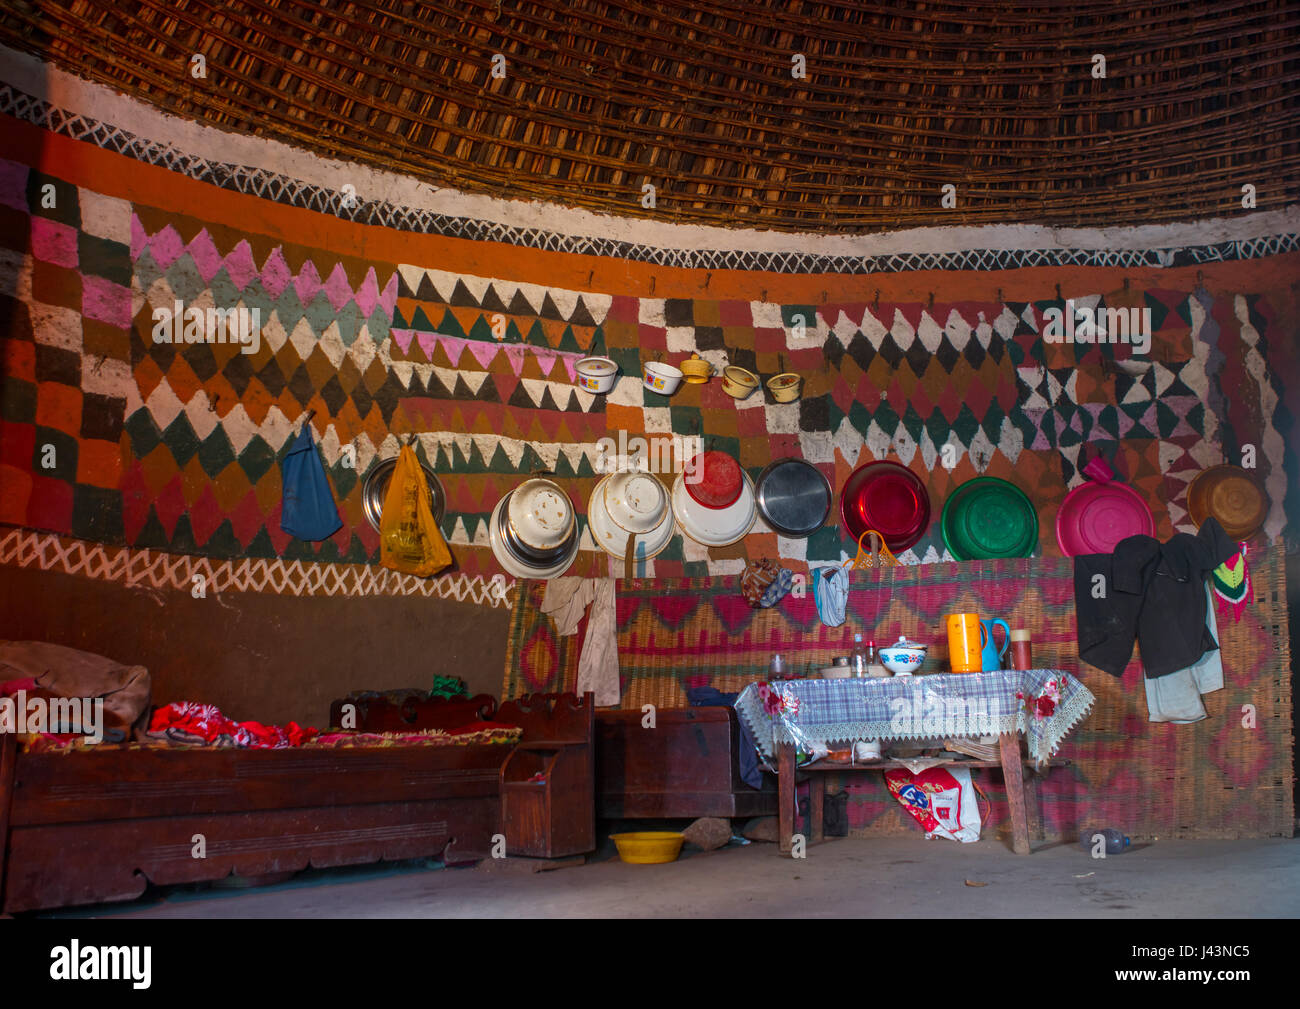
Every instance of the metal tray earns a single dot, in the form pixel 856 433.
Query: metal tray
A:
pixel 376 488
pixel 793 496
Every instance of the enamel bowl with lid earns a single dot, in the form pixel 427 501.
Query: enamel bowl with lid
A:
pixel 595 374
pixel 903 657
pixel 696 369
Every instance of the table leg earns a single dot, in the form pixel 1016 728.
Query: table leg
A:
pixel 785 796
pixel 816 807
pixel 1013 776
pixel 1033 812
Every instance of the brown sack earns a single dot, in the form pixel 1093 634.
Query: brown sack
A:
pixel 60 671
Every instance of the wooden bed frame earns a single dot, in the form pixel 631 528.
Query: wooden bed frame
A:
pixel 89 827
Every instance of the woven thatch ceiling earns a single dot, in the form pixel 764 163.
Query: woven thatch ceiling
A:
pixel 601 96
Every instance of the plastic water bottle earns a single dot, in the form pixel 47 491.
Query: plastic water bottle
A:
pixel 859 657
pixel 1116 843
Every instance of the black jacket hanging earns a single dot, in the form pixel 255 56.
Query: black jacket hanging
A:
pixel 1149 591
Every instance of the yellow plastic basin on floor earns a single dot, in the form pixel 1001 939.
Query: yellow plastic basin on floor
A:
pixel 649 847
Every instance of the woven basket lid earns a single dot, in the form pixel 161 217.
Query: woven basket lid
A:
pixel 720 481
pixel 1233 496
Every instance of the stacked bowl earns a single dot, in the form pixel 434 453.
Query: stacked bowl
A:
pixel 713 500
pixel 630 509
pixel 533 530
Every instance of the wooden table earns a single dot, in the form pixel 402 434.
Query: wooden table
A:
pixel 1022 796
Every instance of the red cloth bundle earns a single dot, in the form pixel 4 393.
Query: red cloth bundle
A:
pixel 205 725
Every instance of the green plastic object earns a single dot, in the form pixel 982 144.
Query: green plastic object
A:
pixel 987 518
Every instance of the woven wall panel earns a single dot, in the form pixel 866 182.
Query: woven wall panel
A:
pixel 1216 778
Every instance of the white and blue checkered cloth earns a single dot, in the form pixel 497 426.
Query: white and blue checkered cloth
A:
pixel 936 706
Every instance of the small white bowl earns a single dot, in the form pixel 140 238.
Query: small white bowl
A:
pixel 635 501
pixel 595 374
pixel 540 514
pixel 662 378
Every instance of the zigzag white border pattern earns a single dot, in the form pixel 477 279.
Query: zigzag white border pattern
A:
pixel 148 569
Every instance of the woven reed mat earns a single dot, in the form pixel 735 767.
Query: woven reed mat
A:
pixel 1217 778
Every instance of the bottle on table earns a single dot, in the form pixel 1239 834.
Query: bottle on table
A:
pixel 858 660
pixel 874 667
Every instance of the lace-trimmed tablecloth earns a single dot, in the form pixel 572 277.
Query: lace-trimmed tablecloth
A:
pixel 918 707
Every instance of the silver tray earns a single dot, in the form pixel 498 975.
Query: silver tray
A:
pixel 376 488
pixel 793 496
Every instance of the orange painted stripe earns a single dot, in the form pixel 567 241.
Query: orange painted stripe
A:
pixel 111 174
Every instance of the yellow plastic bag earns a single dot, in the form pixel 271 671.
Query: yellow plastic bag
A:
pixel 410 540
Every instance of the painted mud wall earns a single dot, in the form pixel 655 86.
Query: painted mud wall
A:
pixel 396 316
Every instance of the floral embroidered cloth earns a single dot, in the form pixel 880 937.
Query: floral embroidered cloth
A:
pixel 1041 704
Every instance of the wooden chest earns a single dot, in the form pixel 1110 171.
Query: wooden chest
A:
pixel 685 766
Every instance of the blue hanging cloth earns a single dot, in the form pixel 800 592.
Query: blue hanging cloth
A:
pixel 308 510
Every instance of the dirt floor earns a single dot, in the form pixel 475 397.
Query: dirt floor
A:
pixel 848 878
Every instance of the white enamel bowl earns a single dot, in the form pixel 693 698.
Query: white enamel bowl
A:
pixel 595 374
pixel 516 565
pixel 714 527
pixel 662 378
pixel 635 501
pixel 902 660
pixel 540 515
pixel 613 539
